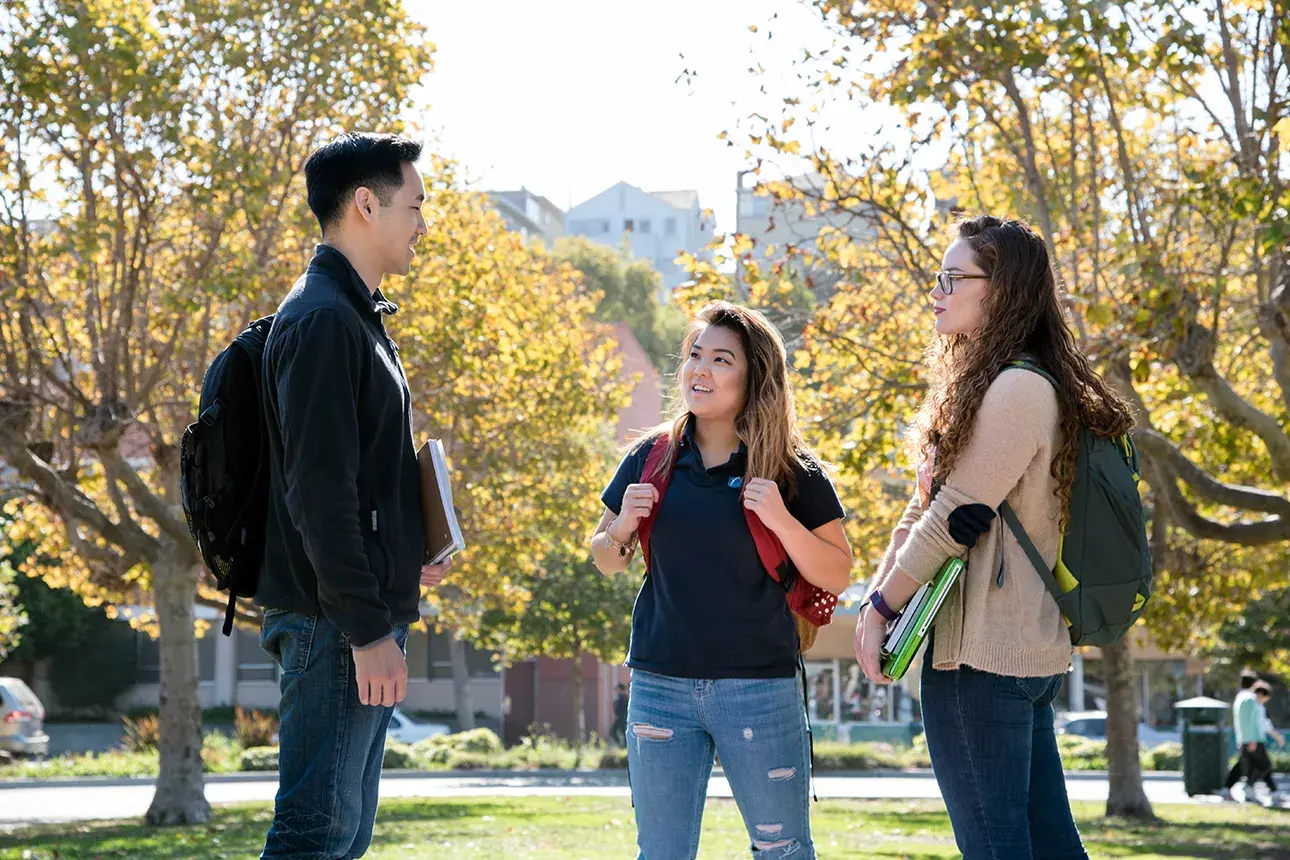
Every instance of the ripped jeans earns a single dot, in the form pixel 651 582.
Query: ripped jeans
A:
pixel 758 729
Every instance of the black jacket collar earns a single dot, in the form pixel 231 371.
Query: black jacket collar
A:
pixel 328 259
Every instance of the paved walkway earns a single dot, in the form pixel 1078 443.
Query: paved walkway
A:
pixel 79 800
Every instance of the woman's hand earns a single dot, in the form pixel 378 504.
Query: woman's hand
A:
pixel 638 501
pixel 762 497
pixel 871 632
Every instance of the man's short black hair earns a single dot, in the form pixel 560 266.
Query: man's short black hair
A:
pixel 351 161
pixel 1248 679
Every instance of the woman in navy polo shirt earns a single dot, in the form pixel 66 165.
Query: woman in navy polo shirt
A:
pixel 714 648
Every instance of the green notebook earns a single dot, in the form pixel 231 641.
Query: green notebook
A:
pixel 916 619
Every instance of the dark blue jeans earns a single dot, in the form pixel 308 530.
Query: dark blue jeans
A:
pixel 995 756
pixel 331 746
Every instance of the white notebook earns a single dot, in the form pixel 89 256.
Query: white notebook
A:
pixel 443 533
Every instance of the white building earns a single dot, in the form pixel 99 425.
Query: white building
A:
pixel 529 214
pixel 652 226
pixel 776 225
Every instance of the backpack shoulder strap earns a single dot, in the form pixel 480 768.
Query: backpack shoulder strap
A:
pixel 658 451
pixel 1032 552
pixel 1027 363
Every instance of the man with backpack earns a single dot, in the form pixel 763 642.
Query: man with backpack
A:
pixel 344 536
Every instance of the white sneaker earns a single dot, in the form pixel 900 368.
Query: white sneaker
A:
pixel 1225 794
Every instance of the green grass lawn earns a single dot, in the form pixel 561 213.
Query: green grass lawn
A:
pixel 590 827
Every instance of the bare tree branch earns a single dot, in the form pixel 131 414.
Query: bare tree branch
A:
pixel 1165 452
pixel 146 501
pixel 67 500
pixel 1194 356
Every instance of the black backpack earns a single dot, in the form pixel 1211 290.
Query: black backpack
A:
pixel 224 468
pixel 1102 581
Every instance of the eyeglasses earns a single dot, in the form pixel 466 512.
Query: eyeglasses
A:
pixel 945 280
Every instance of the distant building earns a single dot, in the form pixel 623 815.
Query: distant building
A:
pixel 774 224
pixel 654 226
pixel 529 214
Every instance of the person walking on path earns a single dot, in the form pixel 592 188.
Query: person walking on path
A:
pixel 1245 728
pixel 618 732
pixel 1252 729
pixel 714 647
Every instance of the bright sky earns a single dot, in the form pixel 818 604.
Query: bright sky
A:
pixel 567 97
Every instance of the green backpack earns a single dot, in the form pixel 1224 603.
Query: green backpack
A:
pixel 1103 575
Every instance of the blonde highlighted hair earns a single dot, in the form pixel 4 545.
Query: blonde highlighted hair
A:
pixel 767 424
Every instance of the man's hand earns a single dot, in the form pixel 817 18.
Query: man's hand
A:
pixel 382 674
pixel 433 574
pixel 1251 746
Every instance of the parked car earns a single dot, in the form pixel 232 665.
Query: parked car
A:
pixel 407 730
pixel 22 720
pixel 1092 724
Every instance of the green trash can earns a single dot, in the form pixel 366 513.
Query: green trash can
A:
pixel 1206 739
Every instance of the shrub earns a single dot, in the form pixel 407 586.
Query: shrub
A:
pixel 254 728
pixel 89 677
pixel 438 749
pixel 399 756
pixel 1167 756
pixel 1280 760
pixel 220 753
pixel 260 758
pixel 476 741
pixel 613 758
pixel 546 752
pixel 832 755
pixel 1081 753
pixel 470 761
pixel 142 733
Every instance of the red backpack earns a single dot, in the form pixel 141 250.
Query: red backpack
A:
pixel 812 606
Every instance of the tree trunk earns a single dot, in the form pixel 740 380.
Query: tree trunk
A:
pixel 180 797
pixel 1127 796
pixel 461 685
pixel 579 705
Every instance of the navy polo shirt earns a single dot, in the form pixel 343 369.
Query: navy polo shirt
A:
pixel 708 608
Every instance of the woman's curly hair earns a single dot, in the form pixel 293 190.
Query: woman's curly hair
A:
pixel 1022 316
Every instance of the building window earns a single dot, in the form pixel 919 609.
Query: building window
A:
pixel 479 662
pixel 628 225
pixel 147 659
pixel 418 654
pixel 206 656
pixel 253 664
pixel 669 226
pixel 643 225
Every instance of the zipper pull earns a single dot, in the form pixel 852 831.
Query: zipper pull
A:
pixel 373 519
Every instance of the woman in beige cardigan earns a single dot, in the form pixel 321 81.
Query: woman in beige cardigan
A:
pixel 987 433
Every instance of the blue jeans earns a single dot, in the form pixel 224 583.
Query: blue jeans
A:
pixel 757 728
pixel 331 746
pixel 995 756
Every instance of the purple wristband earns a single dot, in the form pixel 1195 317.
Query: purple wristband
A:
pixel 876 601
